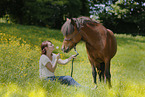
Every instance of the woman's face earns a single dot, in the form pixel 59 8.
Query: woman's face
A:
pixel 50 46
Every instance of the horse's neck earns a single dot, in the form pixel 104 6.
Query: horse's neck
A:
pixel 87 36
pixel 91 37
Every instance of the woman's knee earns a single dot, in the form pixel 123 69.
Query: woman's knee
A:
pixel 69 77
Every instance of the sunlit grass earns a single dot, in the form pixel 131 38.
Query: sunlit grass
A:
pixel 19 62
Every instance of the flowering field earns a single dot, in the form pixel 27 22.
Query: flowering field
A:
pixel 19 66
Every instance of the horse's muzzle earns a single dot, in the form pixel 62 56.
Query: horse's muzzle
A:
pixel 65 50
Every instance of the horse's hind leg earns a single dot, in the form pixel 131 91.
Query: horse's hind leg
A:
pixel 101 72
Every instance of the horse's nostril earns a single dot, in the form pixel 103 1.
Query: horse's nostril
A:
pixel 65 48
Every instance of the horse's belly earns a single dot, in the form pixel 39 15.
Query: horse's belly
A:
pixel 98 60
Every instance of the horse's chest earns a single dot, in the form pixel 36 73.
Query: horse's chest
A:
pixel 95 54
pixel 96 57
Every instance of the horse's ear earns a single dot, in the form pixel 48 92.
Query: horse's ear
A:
pixel 73 22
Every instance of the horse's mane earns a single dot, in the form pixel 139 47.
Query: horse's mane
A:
pixel 68 28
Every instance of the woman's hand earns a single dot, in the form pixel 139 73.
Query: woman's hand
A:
pixel 73 56
pixel 58 56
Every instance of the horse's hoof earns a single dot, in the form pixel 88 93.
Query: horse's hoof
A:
pixel 95 87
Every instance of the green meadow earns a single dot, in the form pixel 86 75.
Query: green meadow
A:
pixel 19 66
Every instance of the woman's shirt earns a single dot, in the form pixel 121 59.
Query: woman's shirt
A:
pixel 43 71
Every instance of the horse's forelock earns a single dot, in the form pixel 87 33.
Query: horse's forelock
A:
pixel 67 28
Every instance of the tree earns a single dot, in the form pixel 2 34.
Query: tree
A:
pixel 131 11
pixel 13 8
pixel 124 16
pixel 50 13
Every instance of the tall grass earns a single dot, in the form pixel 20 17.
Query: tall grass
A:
pixel 19 62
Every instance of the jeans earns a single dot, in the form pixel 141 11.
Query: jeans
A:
pixel 68 80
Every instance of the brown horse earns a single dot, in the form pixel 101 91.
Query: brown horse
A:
pixel 100 42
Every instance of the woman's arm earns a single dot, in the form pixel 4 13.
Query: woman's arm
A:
pixel 63 62
pixel 53 66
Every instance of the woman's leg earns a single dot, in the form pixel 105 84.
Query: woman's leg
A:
pixel 67 80
pixel 52 78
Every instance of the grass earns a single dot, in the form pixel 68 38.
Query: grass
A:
pixel 19 62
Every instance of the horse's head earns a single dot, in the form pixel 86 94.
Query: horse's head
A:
pixel 71 34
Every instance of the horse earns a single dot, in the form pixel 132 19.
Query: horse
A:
pixel 100 43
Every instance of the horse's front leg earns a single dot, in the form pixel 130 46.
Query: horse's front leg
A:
pixel 94 73
pixel 107 73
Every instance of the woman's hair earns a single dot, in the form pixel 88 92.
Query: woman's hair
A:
pixel 43 45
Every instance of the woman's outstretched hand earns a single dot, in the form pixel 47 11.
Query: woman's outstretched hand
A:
pixel 58 56
pixel 73 56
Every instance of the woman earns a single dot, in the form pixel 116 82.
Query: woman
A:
pixel 48 63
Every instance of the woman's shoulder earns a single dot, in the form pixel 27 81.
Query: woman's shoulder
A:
pixel 43 56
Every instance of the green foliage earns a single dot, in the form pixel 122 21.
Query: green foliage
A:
pixel 48 13
pixel 123 16
pixel 130 11
pixel 19 62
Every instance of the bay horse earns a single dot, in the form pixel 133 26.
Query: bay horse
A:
pixel 100 43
